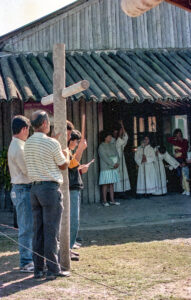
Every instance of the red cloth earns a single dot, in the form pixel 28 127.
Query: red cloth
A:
pixel 180 147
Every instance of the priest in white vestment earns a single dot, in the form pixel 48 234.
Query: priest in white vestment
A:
pixel 147 178
pixel 162 154
pixel 121 141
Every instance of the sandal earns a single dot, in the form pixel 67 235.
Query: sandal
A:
pixel 114 203
pixel 105 204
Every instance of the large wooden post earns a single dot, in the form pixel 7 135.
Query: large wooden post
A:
pixel 60 127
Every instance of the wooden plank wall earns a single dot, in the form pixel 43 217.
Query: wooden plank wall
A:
pixel 6 124
pixel 91 192
pixel 1 127
pixel 7 111
pixel 101 24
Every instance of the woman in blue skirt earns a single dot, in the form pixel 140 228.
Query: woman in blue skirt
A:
pixel 109 163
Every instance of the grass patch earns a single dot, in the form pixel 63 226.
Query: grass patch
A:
pixel 154 270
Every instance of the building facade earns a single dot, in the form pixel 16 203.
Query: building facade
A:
pixel 138 69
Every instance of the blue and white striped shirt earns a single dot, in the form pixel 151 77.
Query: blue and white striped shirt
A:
pixel 43 155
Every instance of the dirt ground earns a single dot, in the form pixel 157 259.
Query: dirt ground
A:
pixel 12 281
pixel 148 242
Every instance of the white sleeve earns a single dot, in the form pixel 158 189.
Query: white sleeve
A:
pixel 171 160
pixel 122 141
pixel 138 157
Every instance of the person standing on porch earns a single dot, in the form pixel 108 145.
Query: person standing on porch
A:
pixel 44 161
pixel 121 139
pixel 20 193
pixel 77 145
pixel 185 178
pixel 161 155
pixel 180 147
pixel 109 163
pixel 145 158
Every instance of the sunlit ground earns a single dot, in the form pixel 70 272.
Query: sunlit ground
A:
pixel 156 267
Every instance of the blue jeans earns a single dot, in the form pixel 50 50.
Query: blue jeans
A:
pixel 74 215
pixel 20 196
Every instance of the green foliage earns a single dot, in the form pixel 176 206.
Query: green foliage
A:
pixel 5 180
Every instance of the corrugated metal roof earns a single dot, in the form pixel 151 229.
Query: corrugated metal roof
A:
pixel 128 76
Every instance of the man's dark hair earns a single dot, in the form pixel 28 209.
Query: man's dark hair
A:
pixel 38 118
pixel 176 131
pixel 18 123
pixel 70 126
pixel 75 135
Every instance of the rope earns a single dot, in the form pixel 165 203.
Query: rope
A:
pixel 74 272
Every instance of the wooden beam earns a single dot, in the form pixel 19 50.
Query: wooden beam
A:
pixel 60 127
pixel 68 92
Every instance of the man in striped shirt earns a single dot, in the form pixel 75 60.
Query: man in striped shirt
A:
pixel 44 161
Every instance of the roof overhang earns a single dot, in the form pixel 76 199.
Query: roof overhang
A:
pixel 185 4
pixel 122 76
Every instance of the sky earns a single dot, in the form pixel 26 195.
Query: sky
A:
pixel 16 13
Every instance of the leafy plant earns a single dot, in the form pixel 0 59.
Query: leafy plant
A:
pixel 5 180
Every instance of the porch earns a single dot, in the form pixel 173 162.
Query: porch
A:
pixel 147 89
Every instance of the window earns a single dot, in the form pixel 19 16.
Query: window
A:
pixel 142 126
pixel 135 133
pixel 181 122
pixel 152 124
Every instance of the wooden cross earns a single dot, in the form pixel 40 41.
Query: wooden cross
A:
pixel 60 93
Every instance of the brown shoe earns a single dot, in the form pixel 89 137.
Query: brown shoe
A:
pixel 74 257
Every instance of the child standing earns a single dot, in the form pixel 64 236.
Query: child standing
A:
pixel 185 179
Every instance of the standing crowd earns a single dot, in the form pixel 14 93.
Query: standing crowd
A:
pixel 151 179
pixel 36 165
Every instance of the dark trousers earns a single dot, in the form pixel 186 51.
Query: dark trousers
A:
pixel 46 200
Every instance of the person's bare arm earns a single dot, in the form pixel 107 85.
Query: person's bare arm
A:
pixel 66 152
pixel 84 168
pixel 122 126
pixel 81 147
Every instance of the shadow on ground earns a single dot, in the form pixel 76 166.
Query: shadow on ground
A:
pixel 12 282
pixel 11 279
pixel 137 234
